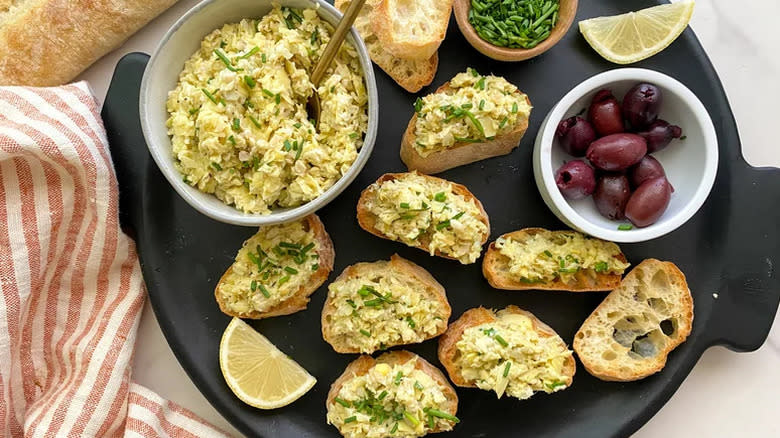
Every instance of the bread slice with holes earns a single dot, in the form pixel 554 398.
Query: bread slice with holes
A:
pixel 383 304
pixel 630 334
pixel 412 29
pixel 398 388
pixel 411 74
pixel 501 265
pixel 543 353
pixel 276 270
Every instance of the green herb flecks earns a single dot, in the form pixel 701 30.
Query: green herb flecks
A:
pixel 254 50
pixel 342 402
pixel 506 368
pixel 514 24
pixel 601 267
pixel 225 60
pixel 216 166
pixel 365 333
pixel 250 81
pixel 440 414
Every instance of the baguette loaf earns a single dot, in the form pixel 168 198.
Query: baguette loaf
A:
pixel 49 42
pixel 630 334
pixel 410 74
pixel 496 266
pixel 454 359
pixel 412 29
pixel 412 307
pixel 382 365
pixel 378 214
pixel 243 292
pixel 462 152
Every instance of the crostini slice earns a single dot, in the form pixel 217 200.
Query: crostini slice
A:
pixel 435 215
pixel 373 306
pixel 631 333
pixel 535 258
pixel 470 118
pixel 276 270
pixel 397 394
pixel 510 352
pixel 412 29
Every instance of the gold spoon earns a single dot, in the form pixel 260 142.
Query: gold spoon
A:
pixel 313 105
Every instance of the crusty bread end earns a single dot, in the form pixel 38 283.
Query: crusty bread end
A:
pixel 300 299
pixel 630 334
pixel 460 153
pixel 495 270
pixel 412 29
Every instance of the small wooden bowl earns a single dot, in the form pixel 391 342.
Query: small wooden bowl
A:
pixel 566 13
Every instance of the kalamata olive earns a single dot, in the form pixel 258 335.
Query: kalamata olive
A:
pixel 647 168
pixel 575 134
pixel 649 202
pixel 617 151
pixel 641 105
pixel 604 114
pixel 575 179
pixel 611 195
pixel 659 134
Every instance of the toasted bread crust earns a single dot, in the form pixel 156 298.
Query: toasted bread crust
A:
pixel 367 220
pixel 300 299
pixel 448 351
pixel 417 49
pixel 615 373
pixel 494 262
pixel 460 153
pixel 364 363
pixel 431 288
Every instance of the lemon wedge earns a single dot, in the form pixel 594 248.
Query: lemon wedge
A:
pixel 258 372
pixel 635 36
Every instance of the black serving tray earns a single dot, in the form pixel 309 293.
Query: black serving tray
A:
pixel 727 251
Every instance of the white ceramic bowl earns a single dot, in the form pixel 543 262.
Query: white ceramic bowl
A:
pixel 690 164
pixel 161 76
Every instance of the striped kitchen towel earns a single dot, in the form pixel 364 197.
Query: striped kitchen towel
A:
pixel 71 285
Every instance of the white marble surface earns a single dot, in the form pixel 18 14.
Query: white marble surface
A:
pixel 727 394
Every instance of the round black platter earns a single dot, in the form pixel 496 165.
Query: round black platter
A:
pixel 727 251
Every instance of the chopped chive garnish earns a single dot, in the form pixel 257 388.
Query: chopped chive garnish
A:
pixel 500 340
pixel 264 290
pixel 514 107
pixel 625 227
pixel 250 81
pixel 503 122
pixel 561 262
pixel 287 146
pixel 467 105
pixel 253 120
pixel 194 110
pixel 298 150
pixel 466 140
pixel 547 253
pixel 290 270
pixel 431 422
pixel 555 384
pixel 277 98
pixel 342 402
pixel 232 140
pixel 222 44
pixel 439 414
pixel 601 267
pixel 289 245
pixel 459 215
pixel 307 248
pixel 350 419
pixel 352 304
pixel 236 124
pixel 315 266
pixel 473 72
pixel 410 321
pixel 372 303
pixel 480 84
pixel 394 429
pixel 253 285
pixel 216 165
pixel 398 377
pixel 254 50
pixel 263 58
pixel 442 225
pixel 353 135
pixel 440 197
pixel 284 280
pixel 209 95
pixel 411 418
pixel 296 125
pixel 222 57
pixel 404 205
pixel 482 104
pixel 477 123
pixel 418 105
pixel 268 92
pixel 382 395
pixel 506 368
pixel 417 386
pixel 365 333
pixel 315 36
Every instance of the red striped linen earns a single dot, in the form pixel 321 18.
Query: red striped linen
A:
pixel 71 285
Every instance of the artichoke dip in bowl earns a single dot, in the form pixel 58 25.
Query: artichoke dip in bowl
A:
pixel 223 109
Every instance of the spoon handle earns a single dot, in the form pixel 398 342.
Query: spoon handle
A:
pixel 335 41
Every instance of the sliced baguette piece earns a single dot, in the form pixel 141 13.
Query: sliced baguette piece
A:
pixel 461 152
pixel 423 307
pixel 412 29
pixel 495 268
pixel 367 219
pixel 410 74
pixel 363 364
pixel 630 334
pixel 299 299
pixel 449 354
